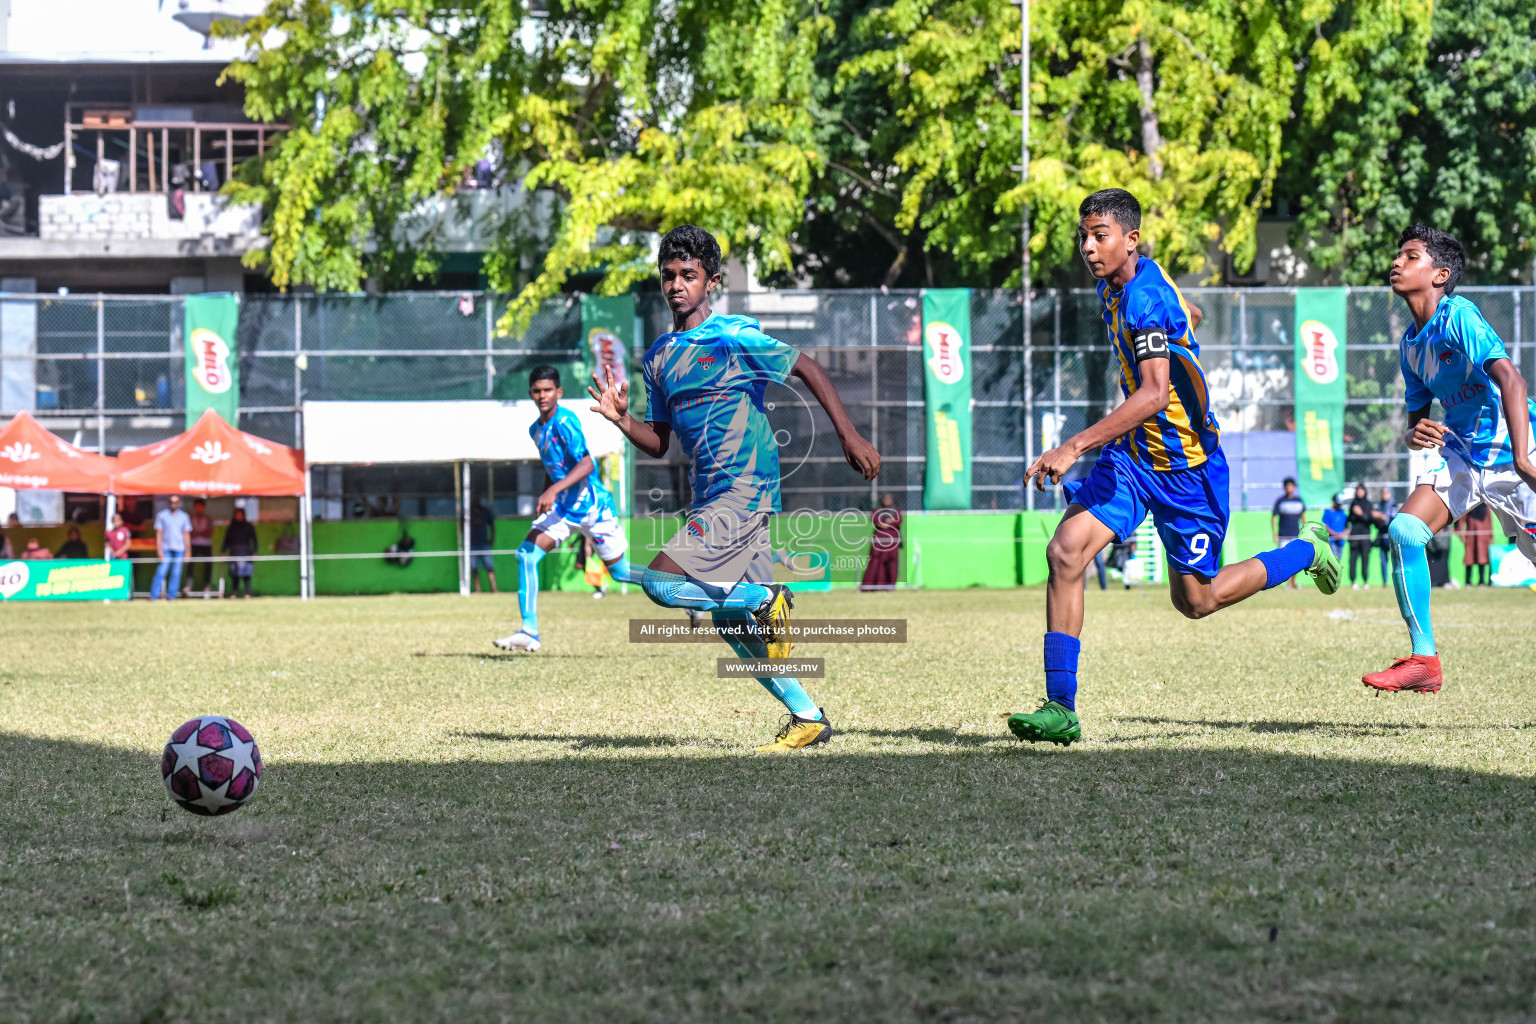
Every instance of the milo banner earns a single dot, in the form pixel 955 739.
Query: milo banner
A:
pixel 213 372
pixel 1320 393
pixel 947 397
pixel 607 325
pixel 65 581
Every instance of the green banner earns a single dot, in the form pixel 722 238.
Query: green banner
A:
pixel 947 397
pixel 66 580
pixel 1321 315
pixel 607 329
pixel 213 372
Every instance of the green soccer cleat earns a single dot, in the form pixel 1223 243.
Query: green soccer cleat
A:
pixel 1325 569
pixel 1049 723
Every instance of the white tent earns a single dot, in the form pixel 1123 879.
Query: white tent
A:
pixel 365 433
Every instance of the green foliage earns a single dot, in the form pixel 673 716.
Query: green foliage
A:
pixel 1437 125
pixel 634 123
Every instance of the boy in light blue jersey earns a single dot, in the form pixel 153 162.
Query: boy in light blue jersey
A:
pixel 575 500
pixel 705 382
pixel 1161 457
pixel 1453 355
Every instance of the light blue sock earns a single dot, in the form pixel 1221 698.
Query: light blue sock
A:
pixel 788 691
pixel 529 555
pixel 673 591
pixel 1410 578
pixel 622 571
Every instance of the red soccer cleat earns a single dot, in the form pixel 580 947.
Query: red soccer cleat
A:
pixel 1417 674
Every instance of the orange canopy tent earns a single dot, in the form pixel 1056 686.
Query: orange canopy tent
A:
pixel 211 458
pixel 34 459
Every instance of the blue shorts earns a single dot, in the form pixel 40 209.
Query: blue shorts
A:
pixel 481 560
pixel 1188 506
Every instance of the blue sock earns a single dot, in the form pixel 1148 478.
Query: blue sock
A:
pixel 1061 651
pixel 622 571
pixel 529 555
pixel 788 691
pixel 1410 578
pixel 1284 562
pixel 673 591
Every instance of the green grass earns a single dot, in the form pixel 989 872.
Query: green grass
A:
pixel 447 833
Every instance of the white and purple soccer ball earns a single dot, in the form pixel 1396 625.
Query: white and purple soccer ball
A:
pixel 211 765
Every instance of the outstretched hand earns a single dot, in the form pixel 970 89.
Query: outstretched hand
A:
pixel 1053 464
pixel 612 397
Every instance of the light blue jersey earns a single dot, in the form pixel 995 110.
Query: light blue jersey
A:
pixel 561 446
pixel 1449 360
pixel 708 384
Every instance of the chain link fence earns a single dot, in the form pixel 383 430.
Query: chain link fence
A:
pixel 107 372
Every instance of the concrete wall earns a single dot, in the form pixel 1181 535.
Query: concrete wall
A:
pixel 123 215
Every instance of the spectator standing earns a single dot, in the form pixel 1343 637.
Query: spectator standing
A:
pixel 1286 518
pixel 240 545
pixel 173 535
pixel 1385 510
pixel 73 547
pixel 482 535
pixel 1336 522
pixel 202 549
pixel 6 551
pixel 884 547
pixel 117 538
pixel 1476 532
pixel 1361 515
pixel 35 552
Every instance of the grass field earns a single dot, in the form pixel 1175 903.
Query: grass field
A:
pixel 448 833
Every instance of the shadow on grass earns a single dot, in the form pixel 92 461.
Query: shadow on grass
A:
pixel 586 742
pixel 1341 729
pixel 1177 884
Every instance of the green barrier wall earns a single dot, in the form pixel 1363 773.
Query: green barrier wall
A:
pixel 940 550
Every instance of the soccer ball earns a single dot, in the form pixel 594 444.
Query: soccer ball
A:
pixel 211 765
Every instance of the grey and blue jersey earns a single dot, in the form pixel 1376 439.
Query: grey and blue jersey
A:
pixel 1448 359
pixel 561 446
pixel 708 385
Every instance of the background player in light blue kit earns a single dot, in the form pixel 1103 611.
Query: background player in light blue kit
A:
pixel 704 382
pixel 1452 354
pixel 1162 456
pixel 574 500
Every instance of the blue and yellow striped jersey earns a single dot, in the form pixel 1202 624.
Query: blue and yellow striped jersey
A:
pixel 1185 434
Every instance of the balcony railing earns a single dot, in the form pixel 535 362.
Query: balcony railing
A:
pixel 160 153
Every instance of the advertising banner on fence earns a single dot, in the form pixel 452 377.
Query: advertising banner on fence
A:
pixel 1320 392
pixel 213 371
pixel 947 397
pixel 67 580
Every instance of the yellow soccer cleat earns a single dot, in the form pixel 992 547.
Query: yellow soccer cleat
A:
pixel 797 733
pixel 772 620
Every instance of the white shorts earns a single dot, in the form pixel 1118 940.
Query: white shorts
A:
pixel 599 526
pixel 1463 486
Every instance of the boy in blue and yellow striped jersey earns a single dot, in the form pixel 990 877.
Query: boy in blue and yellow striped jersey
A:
pixel 1162 456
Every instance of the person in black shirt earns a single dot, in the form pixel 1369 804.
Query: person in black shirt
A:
pixel 240 544
pixel 74 547
pixel 1360 517
pixel 1287 516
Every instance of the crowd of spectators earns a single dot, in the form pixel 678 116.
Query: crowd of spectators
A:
pixel 174 535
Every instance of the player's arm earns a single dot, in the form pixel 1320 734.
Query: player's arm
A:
pixel 1517 415
pixel 613 402
pixel 861 455
pixel 578 473
pixel 1151 349
pixel 1195 315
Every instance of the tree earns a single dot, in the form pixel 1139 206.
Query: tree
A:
pixel 1437 126
pixel 1184 104
pixel 633 120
